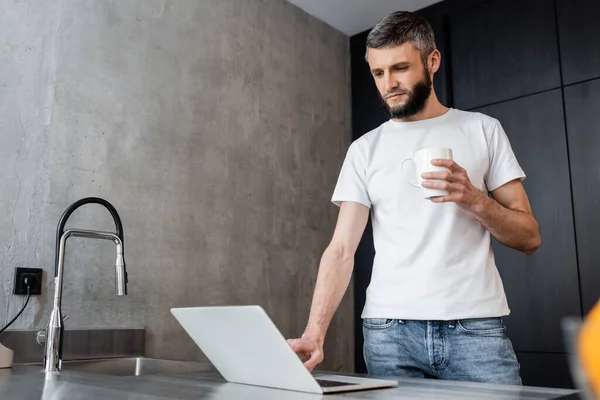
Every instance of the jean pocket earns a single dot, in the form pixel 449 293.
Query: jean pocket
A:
pixel 377 323
pixel 481 326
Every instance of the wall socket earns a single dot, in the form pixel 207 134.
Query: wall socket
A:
pixel 34 277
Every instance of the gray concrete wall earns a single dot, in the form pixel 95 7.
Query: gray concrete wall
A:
pixel 216 128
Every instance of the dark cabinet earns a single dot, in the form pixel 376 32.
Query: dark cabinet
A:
pixel 367 110
pixel 549 370
pixel 582 103
pixel 438 22
pixel 503 49
pixel 541 288
pixel 579 34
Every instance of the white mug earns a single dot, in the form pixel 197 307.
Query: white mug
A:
pixel 422 160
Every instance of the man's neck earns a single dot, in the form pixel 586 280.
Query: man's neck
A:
pixel 433 108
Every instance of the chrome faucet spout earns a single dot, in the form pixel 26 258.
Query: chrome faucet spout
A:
pixel 55 328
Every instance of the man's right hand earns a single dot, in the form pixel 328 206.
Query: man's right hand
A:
pixel 309 350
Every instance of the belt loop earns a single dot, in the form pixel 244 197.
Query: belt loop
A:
pixel 401 321
pixel 452 324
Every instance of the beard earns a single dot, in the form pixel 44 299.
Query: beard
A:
pixel 417 98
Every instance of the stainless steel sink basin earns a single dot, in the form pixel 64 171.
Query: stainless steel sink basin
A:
pixel 135 366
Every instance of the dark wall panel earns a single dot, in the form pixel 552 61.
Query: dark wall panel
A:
pixel 542 288
pixel 438 22
pixel 579 31
pixel 503 49
pixel 549 370
pixel 367 111
pixel 582 104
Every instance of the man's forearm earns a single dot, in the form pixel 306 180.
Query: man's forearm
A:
pixel 333 278
pixel 515 229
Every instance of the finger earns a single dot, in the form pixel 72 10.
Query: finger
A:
pixel 297 345
pixel 444 162
pixel 442 175
pixel 444 185
pixel 443 199
pixel 303 348
pixel 439 199
pixel 314 360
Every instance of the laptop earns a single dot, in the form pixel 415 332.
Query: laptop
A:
pixel 246 347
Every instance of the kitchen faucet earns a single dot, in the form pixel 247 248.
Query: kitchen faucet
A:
pixel 55 328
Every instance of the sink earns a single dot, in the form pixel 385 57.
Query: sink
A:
pixel 135 366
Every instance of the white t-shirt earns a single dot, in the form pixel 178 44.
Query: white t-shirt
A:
pixel 433 261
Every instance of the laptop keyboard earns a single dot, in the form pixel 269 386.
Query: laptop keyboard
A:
pixel 326 383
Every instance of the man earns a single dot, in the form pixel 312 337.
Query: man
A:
pixel 435 301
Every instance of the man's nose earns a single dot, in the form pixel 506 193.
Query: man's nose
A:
pixel 389 82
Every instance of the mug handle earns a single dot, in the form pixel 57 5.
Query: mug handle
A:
pixel 404 175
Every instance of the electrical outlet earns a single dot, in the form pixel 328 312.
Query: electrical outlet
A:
pixel 34 277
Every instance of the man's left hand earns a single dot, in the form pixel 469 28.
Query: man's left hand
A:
pixel 456 182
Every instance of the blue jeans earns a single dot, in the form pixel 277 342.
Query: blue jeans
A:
pixel 475 350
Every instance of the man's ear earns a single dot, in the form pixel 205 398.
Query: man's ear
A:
pixel 434 60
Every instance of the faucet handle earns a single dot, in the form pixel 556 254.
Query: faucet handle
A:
pixel 40 337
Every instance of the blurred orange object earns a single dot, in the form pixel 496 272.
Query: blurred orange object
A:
pixel 588 343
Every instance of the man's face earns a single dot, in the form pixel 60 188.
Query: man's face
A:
pixel 404 83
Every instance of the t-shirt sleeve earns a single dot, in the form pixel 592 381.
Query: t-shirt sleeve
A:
pixel 352 184
pixel 504 166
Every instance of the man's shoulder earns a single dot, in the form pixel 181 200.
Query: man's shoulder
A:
pixel 364 142
pixel 373 134
pixel 475 117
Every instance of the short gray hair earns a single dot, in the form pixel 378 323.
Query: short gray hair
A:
pixel 402 27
